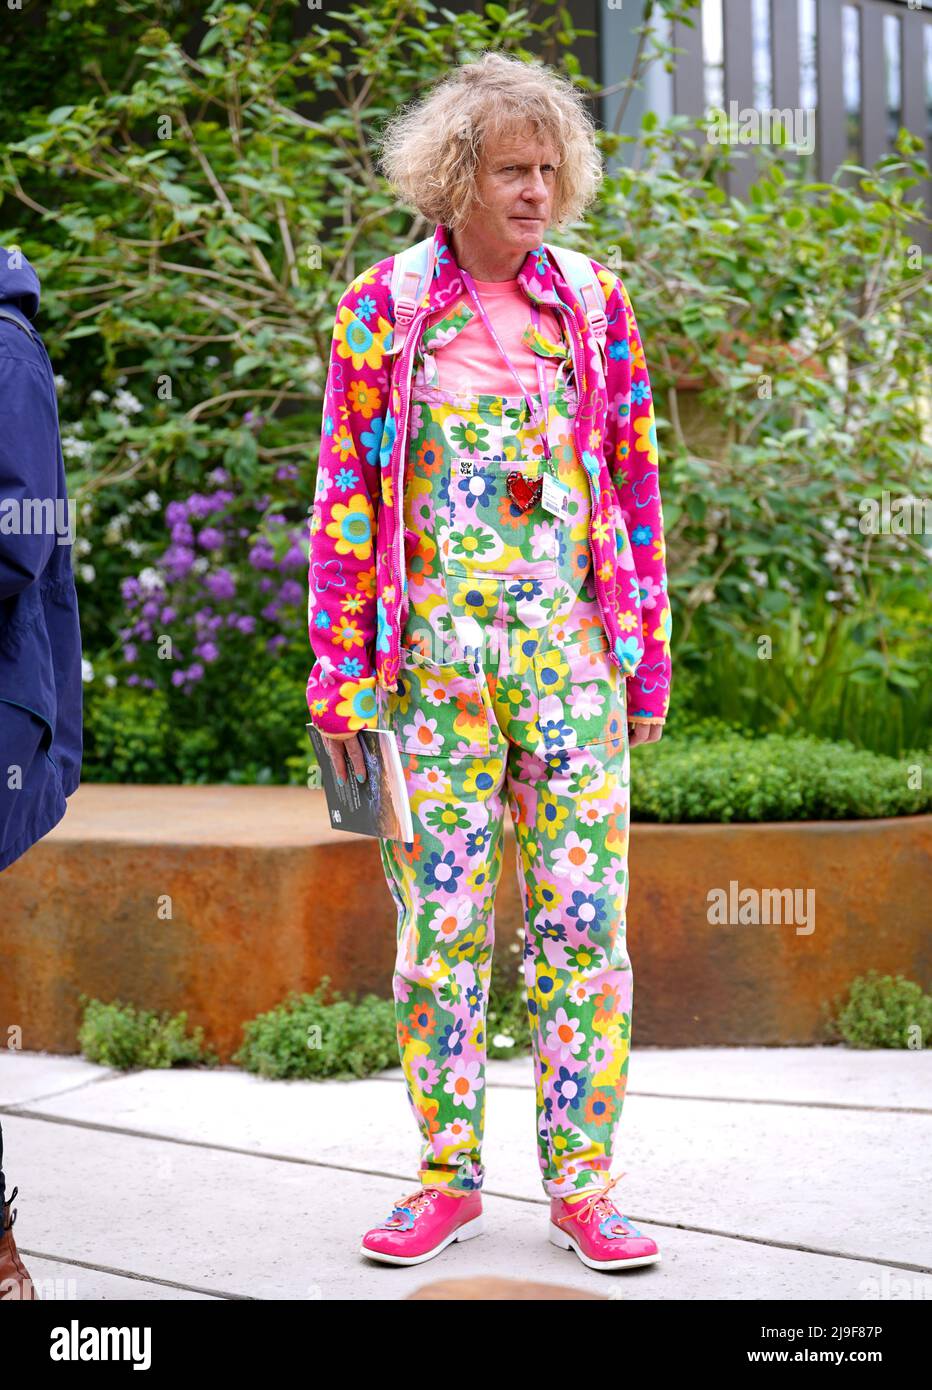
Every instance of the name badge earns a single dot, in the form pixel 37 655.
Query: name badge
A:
pixel 556 497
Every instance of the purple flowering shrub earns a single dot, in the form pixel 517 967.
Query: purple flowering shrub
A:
pixel 227 595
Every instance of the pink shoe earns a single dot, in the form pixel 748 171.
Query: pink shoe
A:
pixel 600 1235
pixel 423 1224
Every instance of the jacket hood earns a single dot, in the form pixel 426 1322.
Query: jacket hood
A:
pixel 19 283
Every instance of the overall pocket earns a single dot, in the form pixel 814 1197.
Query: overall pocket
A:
pixel 437 710
pixel 582 695
pixel 489 536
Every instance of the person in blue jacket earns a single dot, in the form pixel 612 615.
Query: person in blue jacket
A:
pixel 40 639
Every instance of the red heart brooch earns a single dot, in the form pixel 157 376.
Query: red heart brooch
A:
pixel 523 491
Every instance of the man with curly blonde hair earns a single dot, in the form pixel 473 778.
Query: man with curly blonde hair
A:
pixel 487 581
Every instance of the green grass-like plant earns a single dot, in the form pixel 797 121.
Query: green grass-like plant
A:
pixel 881 1011
pixel 122 1036
pixel 321 1034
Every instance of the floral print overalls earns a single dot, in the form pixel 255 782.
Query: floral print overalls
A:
pixel 506 690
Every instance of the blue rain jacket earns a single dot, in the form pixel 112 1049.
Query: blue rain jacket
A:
pixel 40 639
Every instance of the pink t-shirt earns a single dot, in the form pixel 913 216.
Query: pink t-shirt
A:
pixel 471 363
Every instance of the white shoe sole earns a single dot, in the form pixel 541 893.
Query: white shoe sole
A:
pixel 564 1241
pixel 475 1227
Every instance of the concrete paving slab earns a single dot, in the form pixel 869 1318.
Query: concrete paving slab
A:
pixel 840 1181
pixel 239 1225
pixel 887 1077
pixel 56 1281
pixel 26 1076
pixel 893 1078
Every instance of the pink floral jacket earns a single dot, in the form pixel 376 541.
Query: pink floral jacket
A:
pixel 357 581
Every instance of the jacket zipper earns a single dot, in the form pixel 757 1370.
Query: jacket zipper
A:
pixel 398 473
pixel 571 324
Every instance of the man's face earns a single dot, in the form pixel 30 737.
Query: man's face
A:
pixel 516 181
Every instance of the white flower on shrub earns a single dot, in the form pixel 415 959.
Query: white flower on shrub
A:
pixel 98 397
pixel 74 448
pixel 125 403
pixel 110 680
pixel 81 546
pixel 149 579
pixel 87 573
pixel 61 383
pixel 152 500
pixel 134 548
pixel 200 564
pixel 87 670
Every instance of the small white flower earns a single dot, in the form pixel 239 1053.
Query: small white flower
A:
pixel 500 1040
pixel 110 680
pixel 98 397
pixel 134 548
pixel 87 670
pixel 81 546
pixel 152 500
pixel 211 361
pixel 87 573
pixel 61 383
pixel 149 579
pixel 200 564
pixel 74 448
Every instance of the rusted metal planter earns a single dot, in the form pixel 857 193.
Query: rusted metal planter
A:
pixel 221 900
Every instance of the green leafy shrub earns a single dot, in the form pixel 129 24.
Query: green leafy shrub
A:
pixel 122 1036
pixel 718 776
pixel 322 1034
pixel 785 401
pixel 256 735
pixel 881 1011
pixel 127 734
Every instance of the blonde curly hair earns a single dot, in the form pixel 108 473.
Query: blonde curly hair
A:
pixel 430 150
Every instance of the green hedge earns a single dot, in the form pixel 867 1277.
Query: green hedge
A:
pixel 716 774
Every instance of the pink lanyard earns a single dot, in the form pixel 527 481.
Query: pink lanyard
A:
pixel 539 412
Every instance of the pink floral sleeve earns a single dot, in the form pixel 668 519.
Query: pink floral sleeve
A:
pixel 342 601
pixel 632 458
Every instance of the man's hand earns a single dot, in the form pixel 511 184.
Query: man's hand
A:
pixel 643 733
pixel 345 750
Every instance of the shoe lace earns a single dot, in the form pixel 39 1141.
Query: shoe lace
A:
pixel 416 1202
pixel 596 1207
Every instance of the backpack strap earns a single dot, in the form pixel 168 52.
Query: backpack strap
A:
pixel 411 275
pixel 576 269
pixel 27 328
